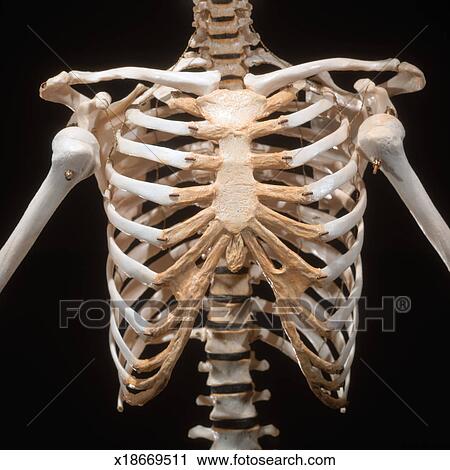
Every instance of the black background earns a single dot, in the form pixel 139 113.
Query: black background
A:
pixel 67 262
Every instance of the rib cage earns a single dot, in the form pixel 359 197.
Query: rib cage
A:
pixel 218 179
pixel 256 177
pixel 316 301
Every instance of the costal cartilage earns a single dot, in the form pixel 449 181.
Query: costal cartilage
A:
pixel 317 191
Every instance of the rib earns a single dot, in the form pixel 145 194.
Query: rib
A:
pixel 149 191
pixel 138 118
pixel 154 153
pixel 338 227
pixel 128 265
pixel 288 159
pixel 343 262
pixel 158 193
pixel 328 184
pixel 305 154
pixel 260 129
pixel 312 192
pixel 141 232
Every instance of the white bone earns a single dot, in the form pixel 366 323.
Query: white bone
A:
pixel 374 97
pixel 381 137
pixel 318 343
pixel 118 304
pixel 155 153
pixel 136 266
pixel 343 262
pixel 75 157
pixel 149 191
pixel 330 256
pixel 342 315
pixel 338 227
pixel 122 372
pixel 116 338
pixel 158 124
pixel 201 432
pixel 238 406
pixel 268 83
pixel 407 80
pixel 140 232
pixel 309 113
pixel 204 400
pixel 305 154
pixel 269 430
pixel 260 366
pixel 204 367
pixel 198 83
pixel 261 56
pixel 164 93
pixel 330 183
pixel 129 266
pixel 221 372
pixel 189 62
pixel 277 342
pixel 263 395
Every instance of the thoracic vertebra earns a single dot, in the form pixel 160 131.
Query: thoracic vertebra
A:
pixel 207 208
pixel 229 333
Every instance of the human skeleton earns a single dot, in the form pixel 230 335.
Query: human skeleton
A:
pixel 231 211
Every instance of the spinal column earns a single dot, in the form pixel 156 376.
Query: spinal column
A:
pixel 230 330
pixel 224 37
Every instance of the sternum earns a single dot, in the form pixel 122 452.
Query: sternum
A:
pixel 236 199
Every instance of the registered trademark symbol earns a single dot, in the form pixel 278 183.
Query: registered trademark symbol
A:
pixel 403 304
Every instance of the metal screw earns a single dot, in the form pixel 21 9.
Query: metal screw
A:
pixel 68 174
pixel 376 166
